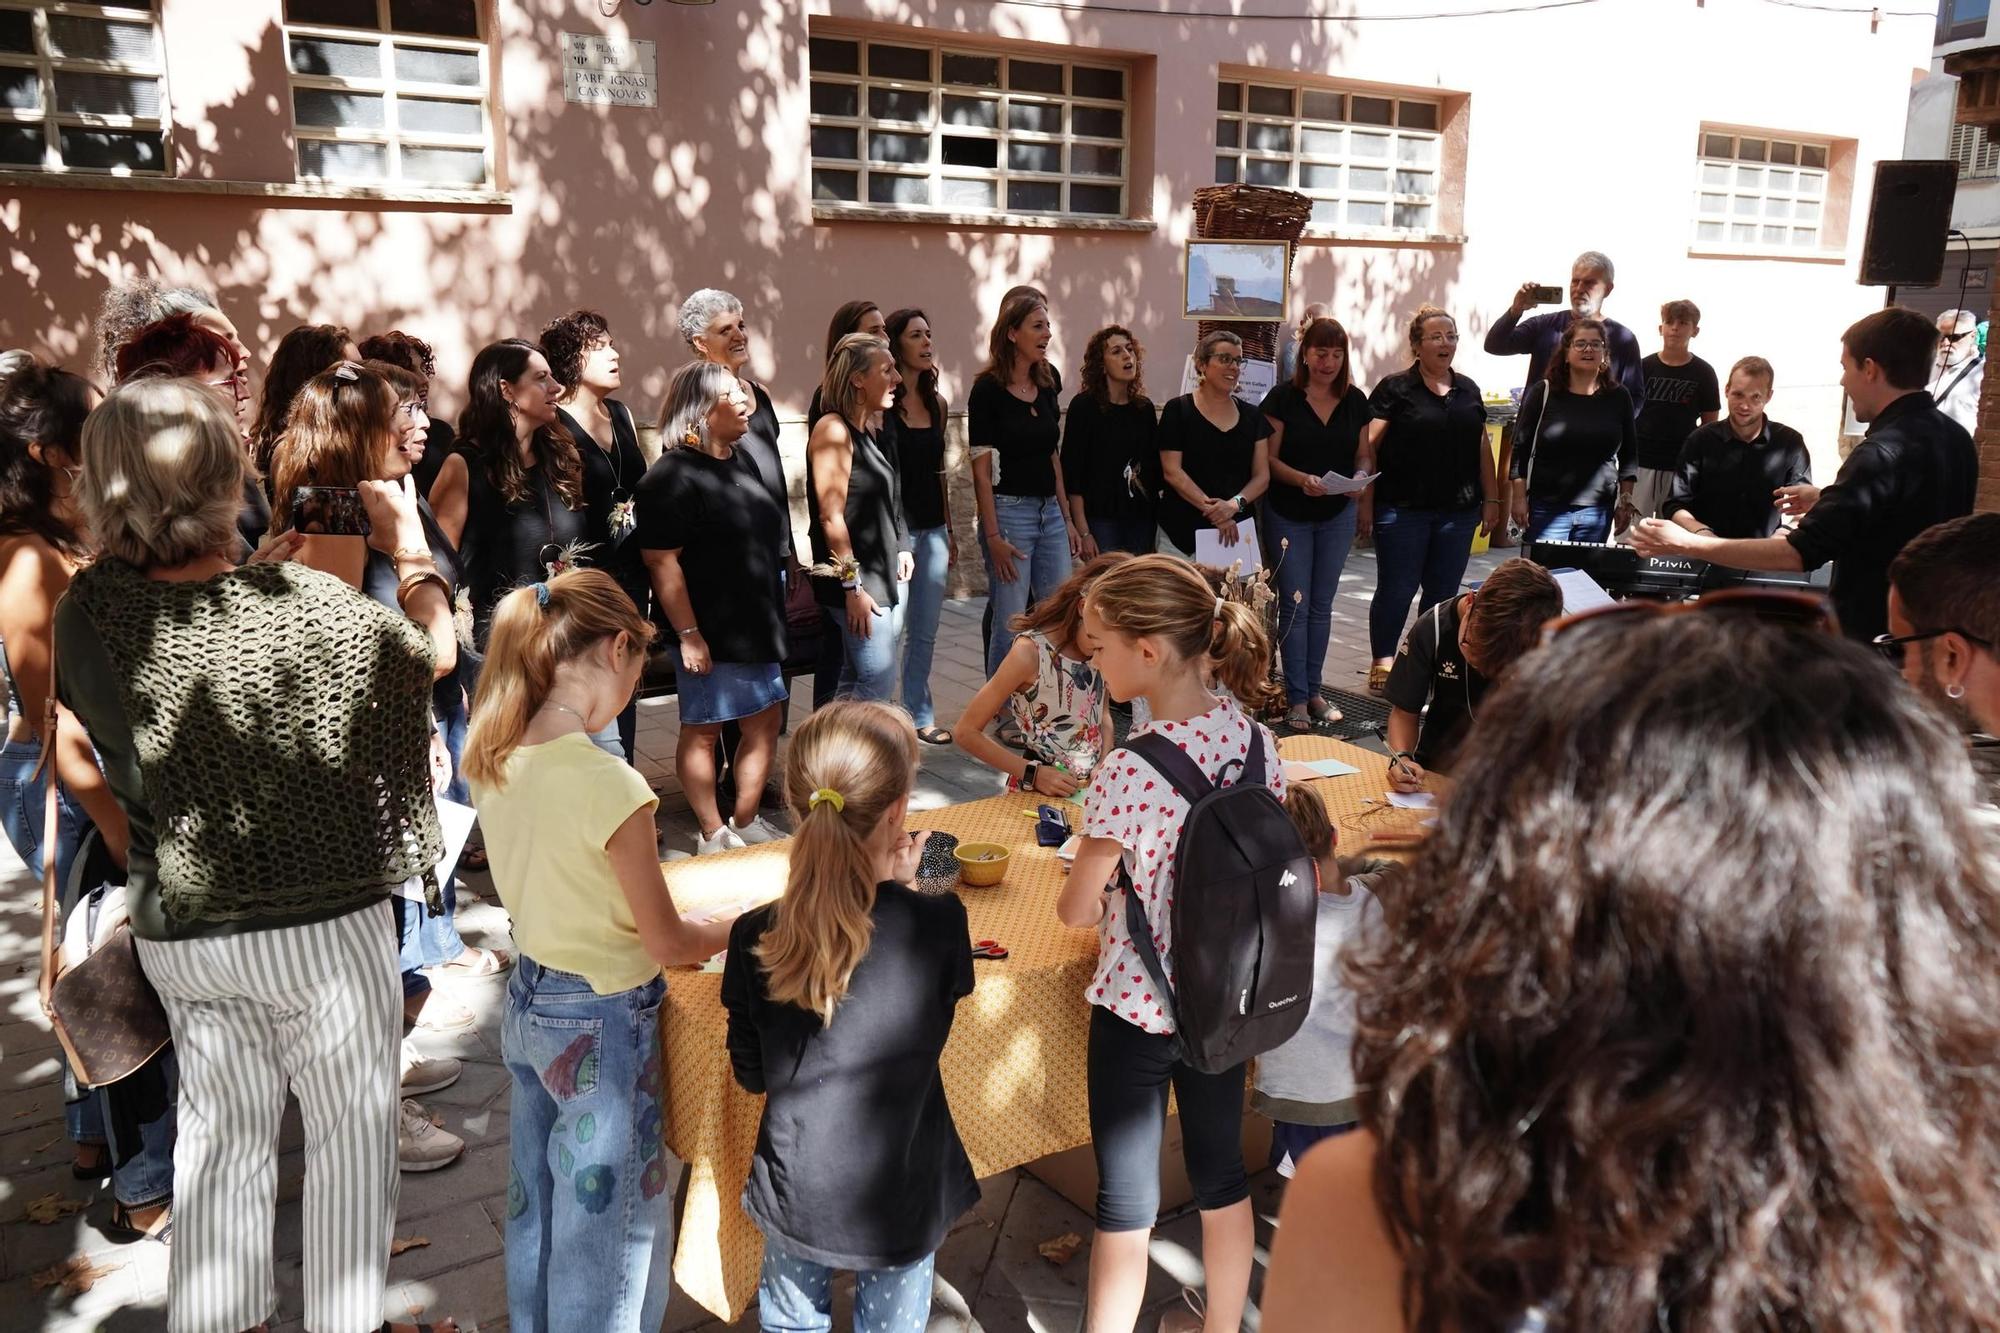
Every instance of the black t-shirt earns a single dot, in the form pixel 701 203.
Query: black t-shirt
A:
pixel 1916 468
pixel 719 515
pixel 760 443
pixel 1429 453
pixel 1573 447
pixel 1315 447
pixel 439 444
pixel 858 1164
pixel 1110 456
pixel 610 476
pixel 1023 434
pixel 379 581
pixel 1676 397
pixel 920 467
pixel 1432 677
pixel 1727 483
pixel 1219 463
pixel 875 530
pixel 510 544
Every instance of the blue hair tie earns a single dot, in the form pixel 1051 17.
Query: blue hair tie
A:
pixel 542 595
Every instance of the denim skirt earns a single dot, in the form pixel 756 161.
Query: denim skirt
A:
pixel 729 690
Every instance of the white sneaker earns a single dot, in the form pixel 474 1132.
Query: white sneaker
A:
pixel 723 839
pixel 423 1073
pixel 1187 1317
pixel 422 1146
pixel 759 829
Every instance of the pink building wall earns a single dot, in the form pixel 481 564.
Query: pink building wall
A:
pixel 629 209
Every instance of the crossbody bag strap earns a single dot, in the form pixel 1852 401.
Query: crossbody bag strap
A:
pixel 45 988
pixel 1191 784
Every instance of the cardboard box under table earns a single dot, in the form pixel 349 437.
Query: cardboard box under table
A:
pixel 1013 1069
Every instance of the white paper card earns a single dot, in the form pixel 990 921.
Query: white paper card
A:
pixel 1209 550
pixel 455 821
pixel 1580 591
pixel 1338 485
pixel 1412 800
pixel 1305 770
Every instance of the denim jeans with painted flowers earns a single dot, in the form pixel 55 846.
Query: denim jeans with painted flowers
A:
pixel 589 1196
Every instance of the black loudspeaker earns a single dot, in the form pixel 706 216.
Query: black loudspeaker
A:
pixel 1909 217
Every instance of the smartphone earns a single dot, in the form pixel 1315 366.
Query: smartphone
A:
pixel 335 529
pixel 1546 295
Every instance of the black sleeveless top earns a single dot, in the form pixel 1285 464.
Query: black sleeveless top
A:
pixel 874 520
pixel 610 480
pixel 919 461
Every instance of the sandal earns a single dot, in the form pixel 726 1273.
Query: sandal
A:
pixel 1323 711
pixel 474 963
pixel 1378 678
pixel 934 736
pixel 86 1171
pixel 441 1015
pixel 160 1230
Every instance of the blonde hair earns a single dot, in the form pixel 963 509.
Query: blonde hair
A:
pixel 335 436
pixel 1172 600
pixel 529 640
pixel 163 473
pixel 851 356
pixel 819 932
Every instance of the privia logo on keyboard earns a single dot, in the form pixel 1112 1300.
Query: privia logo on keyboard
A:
pixel 1673 564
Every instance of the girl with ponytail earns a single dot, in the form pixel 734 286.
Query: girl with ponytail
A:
pixel 840 998
pixel 569 833
pixel 1162 632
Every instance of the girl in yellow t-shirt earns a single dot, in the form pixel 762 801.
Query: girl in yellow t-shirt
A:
pixel 569 831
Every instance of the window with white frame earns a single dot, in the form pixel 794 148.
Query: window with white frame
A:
pixel 81 88
pixel 390 92
pixel 906 126
pixel 1977 154
pixel 1365 159
pixel 1758 191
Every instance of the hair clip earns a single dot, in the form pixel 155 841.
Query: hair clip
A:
pixel 542 595
pixel 827 796
pixel 347 372
pixel 1218 608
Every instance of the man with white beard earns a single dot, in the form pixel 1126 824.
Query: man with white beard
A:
pixel 1961 370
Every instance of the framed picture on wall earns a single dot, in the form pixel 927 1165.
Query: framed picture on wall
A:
pixel 1237 280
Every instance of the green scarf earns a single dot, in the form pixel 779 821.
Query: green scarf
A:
pixel 282 727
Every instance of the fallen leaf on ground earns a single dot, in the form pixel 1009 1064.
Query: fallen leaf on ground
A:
pixel 51 1208
pixel 1062 1249
pixel 401 1243
pixel 74 1275
pixel 50 1144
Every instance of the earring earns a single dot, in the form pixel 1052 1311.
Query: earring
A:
pixel 692 439
pixel 1954 691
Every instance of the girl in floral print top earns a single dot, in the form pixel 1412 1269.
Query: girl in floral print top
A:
pixel 1056 696
pixel 1159 631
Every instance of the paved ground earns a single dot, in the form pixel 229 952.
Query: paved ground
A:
pixel 989 1264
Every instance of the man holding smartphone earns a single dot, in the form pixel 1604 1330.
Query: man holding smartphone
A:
pixel 1591 279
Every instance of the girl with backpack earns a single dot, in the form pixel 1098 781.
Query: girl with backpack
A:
pixel 1161 632
pixel 569 830
pixel 1055 696
pixel 840 998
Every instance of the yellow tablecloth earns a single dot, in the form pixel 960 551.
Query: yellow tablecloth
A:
pixel 1014 1067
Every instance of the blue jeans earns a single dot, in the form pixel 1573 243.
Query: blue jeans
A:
pixel 1134 536
pixel 925 594
pixel 589 1197
pixel 1308 580
pixel 795 1295
pixel 1035 526
pixel 868 666
pixel 148 1173
pixel 1415 547
pixel 1552 522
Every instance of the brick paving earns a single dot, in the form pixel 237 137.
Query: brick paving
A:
pixel 988 1267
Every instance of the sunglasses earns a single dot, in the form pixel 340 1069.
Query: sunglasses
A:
pixel 1894 646
pixel 1804 609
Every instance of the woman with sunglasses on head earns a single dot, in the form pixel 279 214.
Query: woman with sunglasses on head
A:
pixel 1429 440
pixel 1681 1017
pixel 301 354
pixel 1214 453
pixel 1579 462
pixel 1454 652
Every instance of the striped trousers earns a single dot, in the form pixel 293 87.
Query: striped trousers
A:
pixel 316 1009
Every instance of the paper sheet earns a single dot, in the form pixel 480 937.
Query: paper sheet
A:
pixel 1209 550
pixel 1412 800
pixel 1580 591
pixel 1338 485
pixel 1305 770
pixel 455 821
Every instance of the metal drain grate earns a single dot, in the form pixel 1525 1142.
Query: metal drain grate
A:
pixel 1360 714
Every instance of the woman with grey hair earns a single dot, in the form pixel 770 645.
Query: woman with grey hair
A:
pixel 712 322
pixel 1213 455
pixel 705 525
pixel 268 937
pixel 131 306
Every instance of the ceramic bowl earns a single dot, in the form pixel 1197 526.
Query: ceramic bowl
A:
pixel 981 864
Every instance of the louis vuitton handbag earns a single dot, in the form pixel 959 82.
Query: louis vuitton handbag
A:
pixel 104 1011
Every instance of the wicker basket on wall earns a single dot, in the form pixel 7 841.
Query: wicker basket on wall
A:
pixel 1250 213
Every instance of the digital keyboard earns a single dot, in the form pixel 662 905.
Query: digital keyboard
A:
pixel 1623 572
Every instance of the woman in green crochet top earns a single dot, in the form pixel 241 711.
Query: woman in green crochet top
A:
pixel 266 731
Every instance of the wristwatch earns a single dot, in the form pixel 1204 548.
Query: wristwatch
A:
pixel 1028 771
pixel 1242 505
